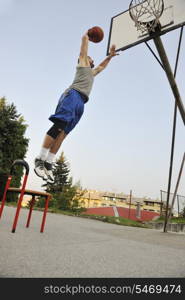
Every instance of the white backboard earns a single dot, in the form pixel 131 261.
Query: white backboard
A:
pixel 124 34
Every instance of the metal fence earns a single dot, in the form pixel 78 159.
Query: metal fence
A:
pixel 179 204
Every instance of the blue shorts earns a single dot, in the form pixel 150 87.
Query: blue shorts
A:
pixel 69 110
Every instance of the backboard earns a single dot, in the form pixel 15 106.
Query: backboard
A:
pixel 124 34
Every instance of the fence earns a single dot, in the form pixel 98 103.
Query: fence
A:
pixel 179 204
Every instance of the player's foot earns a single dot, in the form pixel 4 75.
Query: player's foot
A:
pixel 48 172
pixel 39 168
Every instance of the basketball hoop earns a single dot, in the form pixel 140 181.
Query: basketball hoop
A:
pixel 146 14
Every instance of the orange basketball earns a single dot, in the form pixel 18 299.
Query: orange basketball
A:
pixel 95 34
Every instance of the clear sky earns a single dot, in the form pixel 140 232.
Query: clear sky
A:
pixel 124 137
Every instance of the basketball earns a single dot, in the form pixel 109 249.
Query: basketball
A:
pixel 95 34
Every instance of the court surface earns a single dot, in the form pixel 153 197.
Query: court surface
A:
pixel 76 247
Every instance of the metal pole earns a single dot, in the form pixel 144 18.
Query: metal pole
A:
pixel 5 193
pixel 30 210
pixel 19 204
pixel 176 188
pixel 48 198
pixel 173 131
pixel 130 204
pixel 161 208
pixel 174 127
pixel 170 76
pixel 178 205
pixel 179 104
pixel 154 55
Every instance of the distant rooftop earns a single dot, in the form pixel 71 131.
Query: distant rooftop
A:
pixel 97 195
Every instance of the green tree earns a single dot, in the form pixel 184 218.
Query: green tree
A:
pixel 61 174
pixel 65 195
pixel 13 144
pixel 79 192
pixel 182 213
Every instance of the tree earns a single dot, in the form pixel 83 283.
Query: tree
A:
pixel 13 144
pixel 182 213
pixel 79 192
pixel 65 195
pixel 61 190
pixel 61 174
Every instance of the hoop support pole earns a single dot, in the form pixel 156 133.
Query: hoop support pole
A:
pixel 130 201
pixel 173 132
pixel 170 76
pixel 175 194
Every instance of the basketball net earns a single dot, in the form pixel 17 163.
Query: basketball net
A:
pixel 146 14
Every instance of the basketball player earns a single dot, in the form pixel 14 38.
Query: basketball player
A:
pixel 70 109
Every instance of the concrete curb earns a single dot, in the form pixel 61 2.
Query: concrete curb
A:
pixel 174 227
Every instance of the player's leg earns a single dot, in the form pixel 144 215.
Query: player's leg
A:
pixel 77 106
pixel 50 139
pixel 68 113
pixel 57 142
pixel 51 155
pixel 40 159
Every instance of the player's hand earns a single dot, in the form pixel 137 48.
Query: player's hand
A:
pixel 113 51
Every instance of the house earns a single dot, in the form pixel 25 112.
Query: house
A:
pixel 94 198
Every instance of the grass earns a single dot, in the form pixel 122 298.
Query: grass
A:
pixel 79 213
pixel 117 220
pixel 107 219
pixel 177 220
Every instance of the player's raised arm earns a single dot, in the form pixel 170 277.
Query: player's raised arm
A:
pixel 84 46
pixel 83 57
pixel 106 61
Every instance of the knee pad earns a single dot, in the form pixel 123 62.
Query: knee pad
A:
pixel 54 131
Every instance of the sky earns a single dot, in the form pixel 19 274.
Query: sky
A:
pixel 123 140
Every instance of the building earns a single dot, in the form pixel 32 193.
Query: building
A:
pixel 93 199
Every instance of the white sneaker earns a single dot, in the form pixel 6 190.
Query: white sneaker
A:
pixel 48 172
pixel 39 168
